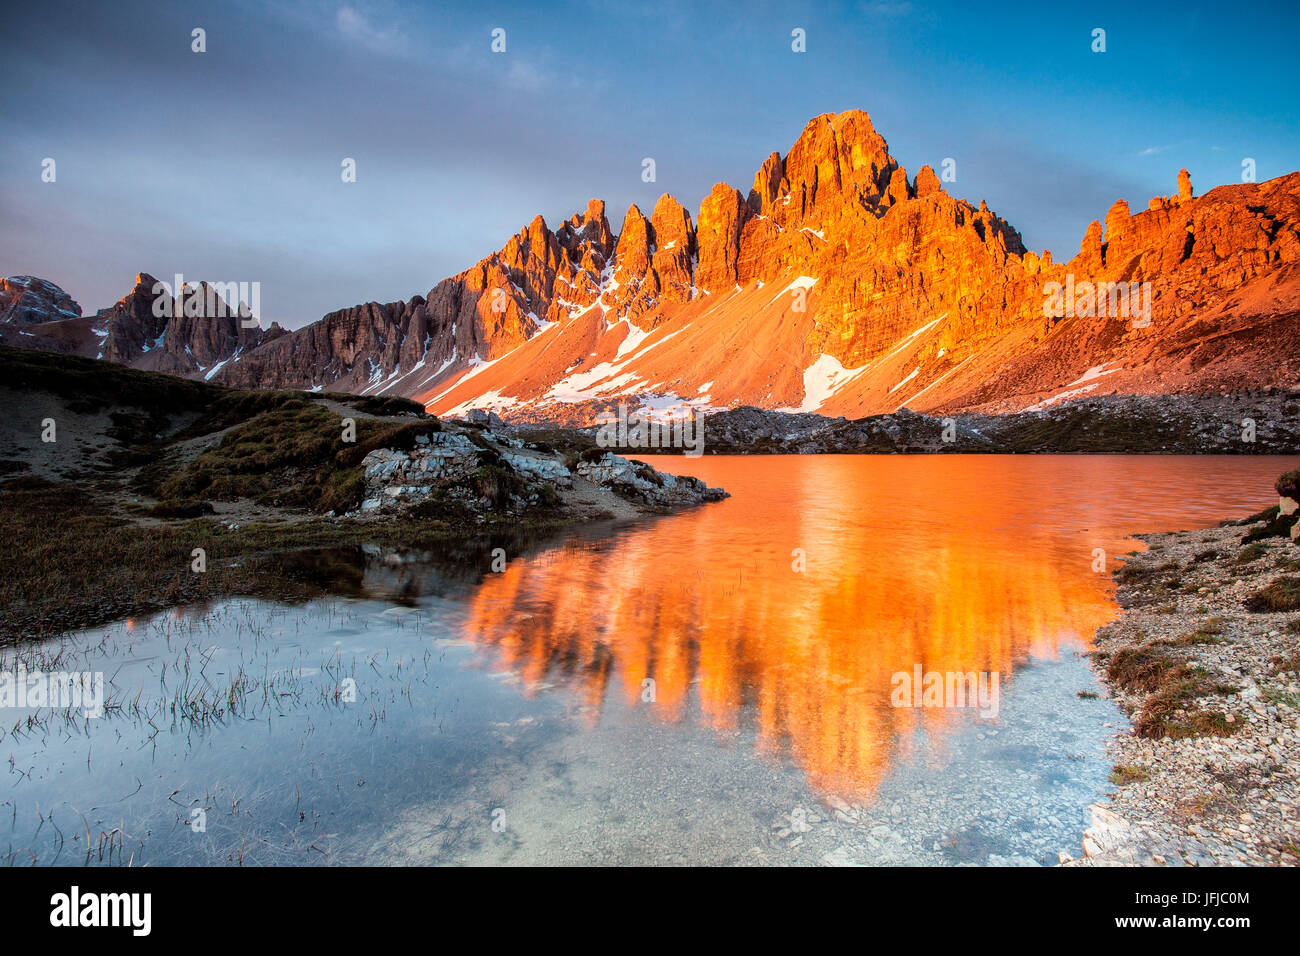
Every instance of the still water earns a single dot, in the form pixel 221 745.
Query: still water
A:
pixel 716 686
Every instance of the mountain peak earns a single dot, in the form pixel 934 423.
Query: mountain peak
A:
pixel 837 285
pixel 27 300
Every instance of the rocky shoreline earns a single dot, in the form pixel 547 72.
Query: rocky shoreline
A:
pixel 1206 659
pixel 1241 423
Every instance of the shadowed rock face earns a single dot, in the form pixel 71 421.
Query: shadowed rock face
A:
pixel 132 327
pixel 478 315
pixel 838 284
pixel 25 300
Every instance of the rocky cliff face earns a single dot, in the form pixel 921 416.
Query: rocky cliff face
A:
pixel 1219 293
pixel 839 283
pixel 193 332
pixel 843 285
pixel 833 208
pixel 131 326
pixel 483 313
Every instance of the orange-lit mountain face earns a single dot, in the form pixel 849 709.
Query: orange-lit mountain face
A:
pixel 842 286
pixel 838 285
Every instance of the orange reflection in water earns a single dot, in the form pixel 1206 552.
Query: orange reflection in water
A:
pixel 954 563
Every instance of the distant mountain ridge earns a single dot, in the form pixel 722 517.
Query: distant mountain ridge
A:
pixel 838 284
pixel 145 329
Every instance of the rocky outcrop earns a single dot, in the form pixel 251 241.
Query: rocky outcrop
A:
pixel 654 260
pixel 345 347
pixel 539 467
pixel 1177 424
pixel 1111 840
pixel 181 332
pixel 722 216
pixel 467 466
pixel 636 479
pixel 204 330
pixel 402 477
pixel 1288 503
pixel 132 325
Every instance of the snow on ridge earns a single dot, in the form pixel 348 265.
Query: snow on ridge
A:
pixel 600 381
pixel 632 341
pixel 939 379
pixel 473 366
pixel 663 407
pixel 394 379
pixel 1094 373
pixel 584 386
pixel 440 369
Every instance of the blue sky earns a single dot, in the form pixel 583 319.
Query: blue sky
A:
pixel 225 165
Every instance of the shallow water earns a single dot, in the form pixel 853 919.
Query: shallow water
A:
pixel 703 688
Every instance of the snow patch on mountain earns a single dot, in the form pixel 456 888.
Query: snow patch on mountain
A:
pixel 803 282
pixel 821 380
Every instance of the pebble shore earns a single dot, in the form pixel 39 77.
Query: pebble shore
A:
pixel 1222 787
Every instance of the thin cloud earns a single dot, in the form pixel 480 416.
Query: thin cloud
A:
pixel 356 27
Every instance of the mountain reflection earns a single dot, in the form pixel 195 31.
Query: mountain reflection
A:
pixel 941 562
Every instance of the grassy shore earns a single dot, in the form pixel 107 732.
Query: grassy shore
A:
pixel 71 560
pixel 103 521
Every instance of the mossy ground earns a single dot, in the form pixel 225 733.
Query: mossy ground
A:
pixel 71 561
